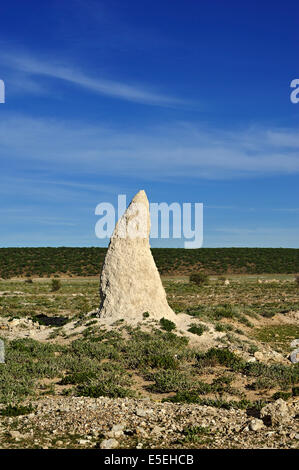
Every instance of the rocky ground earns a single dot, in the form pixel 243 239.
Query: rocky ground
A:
pixel 59 354
pixel 106 423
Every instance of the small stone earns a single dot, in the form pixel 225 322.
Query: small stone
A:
pixel 15 435
pixel 109 444
pixel 294 356
pixel 118 427
pixel 83 442
pixel 157 430
pixel 115 434
pixel 277 412
pixel 259 356
pixel 295 344
pixel 256 425
pixel 141 413
pixel 252 359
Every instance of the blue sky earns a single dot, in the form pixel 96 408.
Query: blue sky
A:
pixel 187 100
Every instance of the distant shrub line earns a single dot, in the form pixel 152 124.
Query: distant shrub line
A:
pixel 46 262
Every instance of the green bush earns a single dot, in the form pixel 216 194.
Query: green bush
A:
pixel 222 357
pixel 194 434
pixel 221 383
pixel 104 389
pixel 185 396
pixel 283 395
pixel 223 327
pixel 161 361
pixel 78 378
pixel 197 329
pixel 199 279
pixel 224 311
pixel 192 397
pixel 170 381
pixel 157 349
pixel 167 325
pixel 55 285
pixel 281 375
pixel 15 410
pixel 263 383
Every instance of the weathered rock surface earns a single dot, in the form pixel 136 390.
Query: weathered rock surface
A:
pixel 277 412
pixel 109 444
pixel 256 424
pixel 130 282
pixel 295 343
pixel 294 356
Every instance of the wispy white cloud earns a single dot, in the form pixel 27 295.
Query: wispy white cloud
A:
pixel 208 206
pixel 155 153
pixel 283 138
pixel 24 71
pixel 286 209
pixel 40 219
pixel 41 190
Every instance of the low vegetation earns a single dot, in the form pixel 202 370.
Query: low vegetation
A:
pixel 197 329
pixel 105 363
pixel 156 362
pixel 55 285
pixel 278 336
pixel 12 411
pixel 167 325
pixel 65 261
pixel 199 279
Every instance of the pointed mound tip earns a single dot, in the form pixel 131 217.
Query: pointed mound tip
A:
pixel 140 197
